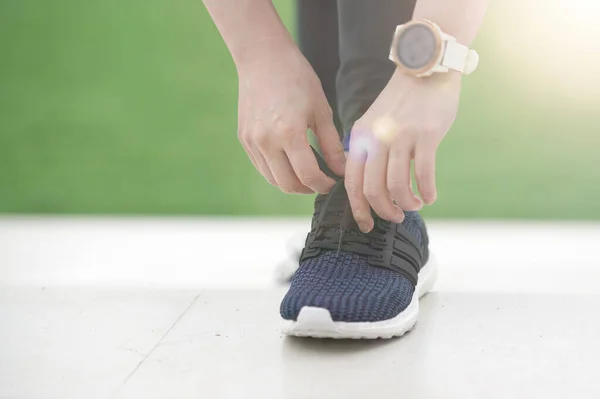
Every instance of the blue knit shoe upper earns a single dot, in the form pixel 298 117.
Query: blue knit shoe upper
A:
pixel 350 288
pixel 357 277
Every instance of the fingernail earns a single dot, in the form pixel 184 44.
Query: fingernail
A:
pixel 399 218
pixel 431 200
pixel 365 227
pixel 420 206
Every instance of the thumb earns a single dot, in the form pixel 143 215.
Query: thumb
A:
pixel 329 141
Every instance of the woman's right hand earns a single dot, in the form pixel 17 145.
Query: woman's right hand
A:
pixel 280 97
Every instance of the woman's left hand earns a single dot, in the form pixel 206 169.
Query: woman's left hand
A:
pixel 407 122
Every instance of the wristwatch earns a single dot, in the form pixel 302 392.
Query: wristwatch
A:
pixel 420 48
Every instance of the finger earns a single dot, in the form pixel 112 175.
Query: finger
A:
pixel 375 187
pixel 260 164
pixel 306 167
pixel 284 174
pixel 255 156
pixel 248 150
pixel 355 171
pixel 329 141
pixel 425 171
pixel 398 179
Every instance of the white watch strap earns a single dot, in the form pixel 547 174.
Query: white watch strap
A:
pixel 458 57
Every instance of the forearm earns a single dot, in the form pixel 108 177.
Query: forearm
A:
pixel 459 18
pixel 249 27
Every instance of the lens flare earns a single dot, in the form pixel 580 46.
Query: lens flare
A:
pixel 385 129
pixel 549 47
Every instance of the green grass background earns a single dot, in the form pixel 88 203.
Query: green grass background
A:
pixel 129 107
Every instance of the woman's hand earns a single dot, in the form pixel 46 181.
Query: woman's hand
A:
pixel 407 122
pixel 280 97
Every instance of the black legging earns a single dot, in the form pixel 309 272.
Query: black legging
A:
pixel 347 43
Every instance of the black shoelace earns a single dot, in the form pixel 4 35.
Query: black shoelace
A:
pixel 387 245
pixel 335 228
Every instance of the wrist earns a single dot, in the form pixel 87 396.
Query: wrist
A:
pixel 459 18
pixel 261 35
pixel 265 48
pixel 447 79
pixel 251 29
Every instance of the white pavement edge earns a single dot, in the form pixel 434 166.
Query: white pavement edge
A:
pixel 196 252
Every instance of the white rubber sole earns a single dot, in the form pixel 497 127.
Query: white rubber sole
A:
pixel 317 322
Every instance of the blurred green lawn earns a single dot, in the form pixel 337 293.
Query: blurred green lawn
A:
pixel 130 107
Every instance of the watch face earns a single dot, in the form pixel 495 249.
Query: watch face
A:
pixel 416 46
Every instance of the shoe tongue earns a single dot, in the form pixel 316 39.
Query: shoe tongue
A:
pixel 335 199
pixel 323 165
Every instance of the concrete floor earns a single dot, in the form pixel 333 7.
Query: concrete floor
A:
pixel 75 322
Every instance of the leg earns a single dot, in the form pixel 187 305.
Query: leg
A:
pixel 318 38
pixel 345 286
pixel 365 34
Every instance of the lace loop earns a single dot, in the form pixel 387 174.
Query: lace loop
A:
pixel 387 245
